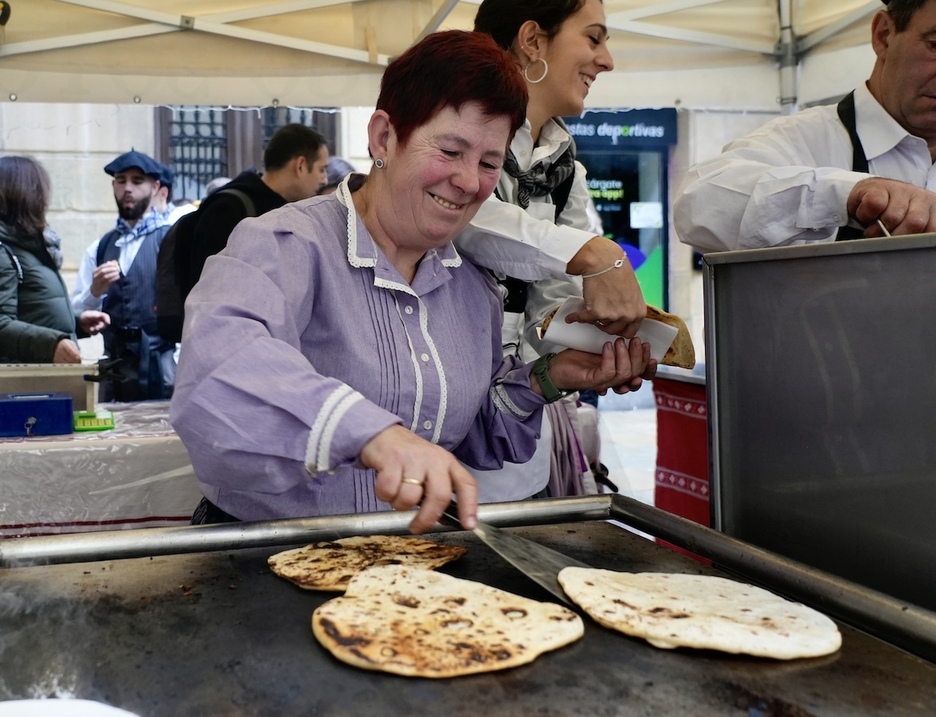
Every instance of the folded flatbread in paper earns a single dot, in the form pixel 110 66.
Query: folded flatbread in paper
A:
pixel 667 334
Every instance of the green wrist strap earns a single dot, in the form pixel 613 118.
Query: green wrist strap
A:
pixel 541 371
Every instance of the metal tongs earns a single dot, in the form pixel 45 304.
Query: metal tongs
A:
pixel 537 562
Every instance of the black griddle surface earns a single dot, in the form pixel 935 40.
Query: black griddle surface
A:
pixel 219 634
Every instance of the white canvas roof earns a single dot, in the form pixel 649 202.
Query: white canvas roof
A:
pixel 325 53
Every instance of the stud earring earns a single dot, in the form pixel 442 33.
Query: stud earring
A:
pixel 379 163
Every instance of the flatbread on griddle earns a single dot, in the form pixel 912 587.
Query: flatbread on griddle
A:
pixel 330 565
pixel 702 611
pixel 419 623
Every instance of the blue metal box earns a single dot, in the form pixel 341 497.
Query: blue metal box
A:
pixel 36 414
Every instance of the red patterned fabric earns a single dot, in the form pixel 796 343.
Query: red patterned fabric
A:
pixel 682 471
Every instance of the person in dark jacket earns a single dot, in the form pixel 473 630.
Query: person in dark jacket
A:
pixel 37 322
pixel 294 164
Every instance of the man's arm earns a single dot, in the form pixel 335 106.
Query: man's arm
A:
pixel 785 183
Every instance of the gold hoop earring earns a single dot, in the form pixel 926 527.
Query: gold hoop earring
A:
pixel 526 71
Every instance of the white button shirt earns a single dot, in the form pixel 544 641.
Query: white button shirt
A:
pixel 788 182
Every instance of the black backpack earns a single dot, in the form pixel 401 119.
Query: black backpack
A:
pixel 174 267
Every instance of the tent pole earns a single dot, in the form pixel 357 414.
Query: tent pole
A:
pixel 789 62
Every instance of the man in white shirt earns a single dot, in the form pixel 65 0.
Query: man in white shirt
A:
pixel 162 201
pixel 832 172
pixel 117 275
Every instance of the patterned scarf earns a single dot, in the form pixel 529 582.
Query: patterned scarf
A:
pixel 539 181
pixel 152 221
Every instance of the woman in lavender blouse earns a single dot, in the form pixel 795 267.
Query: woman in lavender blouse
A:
pixel 339 351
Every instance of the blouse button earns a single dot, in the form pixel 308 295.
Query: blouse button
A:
pixel 427 425
pixel 408 310
pixel 424 358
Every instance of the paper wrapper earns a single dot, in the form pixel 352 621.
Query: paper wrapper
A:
pixel 588 337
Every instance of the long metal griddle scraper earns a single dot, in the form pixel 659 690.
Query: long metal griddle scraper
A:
pixel 537 562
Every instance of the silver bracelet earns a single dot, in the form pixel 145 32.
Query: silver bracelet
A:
pixel 616 265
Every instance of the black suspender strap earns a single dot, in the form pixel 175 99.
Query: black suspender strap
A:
pixel 846 113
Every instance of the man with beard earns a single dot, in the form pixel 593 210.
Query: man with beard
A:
pixel 118 275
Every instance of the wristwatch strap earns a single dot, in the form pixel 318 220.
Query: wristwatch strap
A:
pixel 541 371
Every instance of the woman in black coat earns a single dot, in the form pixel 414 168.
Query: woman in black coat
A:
pixel 37 323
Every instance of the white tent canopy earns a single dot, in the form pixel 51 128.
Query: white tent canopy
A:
pixel 325 53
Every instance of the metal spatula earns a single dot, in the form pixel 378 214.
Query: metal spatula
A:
pixel 536 561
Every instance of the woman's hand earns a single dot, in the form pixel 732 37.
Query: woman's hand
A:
pixel 93 322
pixel 66 351
pixel 412 472
pixel 621 366
pixel 613 299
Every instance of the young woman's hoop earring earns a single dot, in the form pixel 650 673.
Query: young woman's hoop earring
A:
pixel 379 163
pixel 526 71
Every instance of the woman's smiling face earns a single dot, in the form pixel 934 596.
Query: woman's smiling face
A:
pixel 449 166
pixel 576 55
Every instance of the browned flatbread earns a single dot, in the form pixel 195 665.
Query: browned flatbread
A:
pixel 546 319
pixel 331 565
pixel 419 623
pixel 702 611
pixel 681 352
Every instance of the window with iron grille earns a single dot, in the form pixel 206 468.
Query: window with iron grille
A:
pixel 202 143
pixel 323 121
pixel 197 149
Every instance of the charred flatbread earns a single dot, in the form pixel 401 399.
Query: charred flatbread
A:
pixel 331 565
pixel 420 623
pixel 671 610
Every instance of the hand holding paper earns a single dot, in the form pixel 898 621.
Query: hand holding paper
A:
pixel 667 334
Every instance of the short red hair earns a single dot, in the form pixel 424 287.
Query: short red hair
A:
pixel 449 69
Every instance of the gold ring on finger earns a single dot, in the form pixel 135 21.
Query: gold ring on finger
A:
pixel 412 481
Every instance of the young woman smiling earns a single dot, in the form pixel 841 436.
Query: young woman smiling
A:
pixel 561 46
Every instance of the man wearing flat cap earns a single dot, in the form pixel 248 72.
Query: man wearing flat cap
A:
pixel 118 275
pixel 835 172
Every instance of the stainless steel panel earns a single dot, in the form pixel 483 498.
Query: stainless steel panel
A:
pixel 822 395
